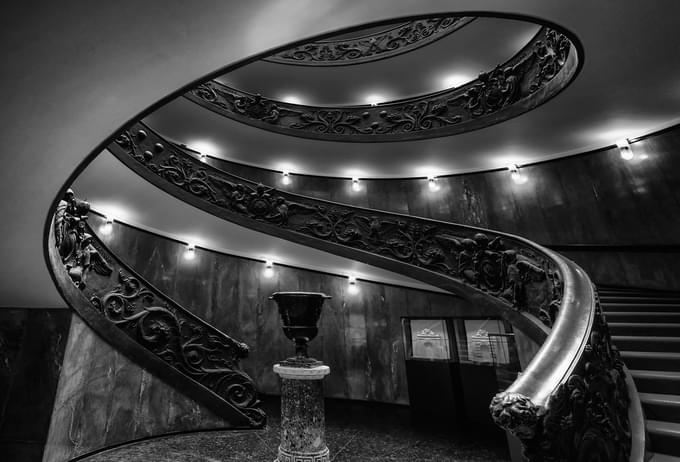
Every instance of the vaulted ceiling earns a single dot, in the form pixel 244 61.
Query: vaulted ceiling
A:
pixel 75 73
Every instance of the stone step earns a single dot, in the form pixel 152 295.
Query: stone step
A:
pixel 664 437
pixel 651 360
pixel 665 382
pixel 643 316
pixel 641 307
pixel 645 329
pixel 661 407
pixel 656 457
pixel 646 343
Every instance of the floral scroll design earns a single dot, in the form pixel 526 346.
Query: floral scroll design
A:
pixel 535 74
pixel 586 418
pixel 384 43
pixel 516 274
pixel 190 346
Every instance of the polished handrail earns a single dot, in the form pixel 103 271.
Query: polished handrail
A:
pixel 539 71
pixel 145 324
pixel 576 351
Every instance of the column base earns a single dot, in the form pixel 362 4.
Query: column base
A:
pixel 289 456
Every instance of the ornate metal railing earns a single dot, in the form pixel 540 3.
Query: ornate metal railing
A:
pixel 389 41
pixel 146 325
pixel 571 401
pixel 538 72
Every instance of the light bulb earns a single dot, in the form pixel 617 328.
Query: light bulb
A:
pixel 190 252
pixel 355 184
pixel 268 269
pixel 624 148
pixel 515 174
pixel 286 177
pixel 352 287
pixel 107 227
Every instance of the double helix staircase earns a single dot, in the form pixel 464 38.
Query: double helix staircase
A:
pixel 645 326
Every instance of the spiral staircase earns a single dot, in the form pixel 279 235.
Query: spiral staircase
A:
pixel 578 398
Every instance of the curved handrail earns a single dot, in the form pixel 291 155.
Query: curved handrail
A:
pixel 394 39
pixel 503 274
pixel 145 324
pixel 544 67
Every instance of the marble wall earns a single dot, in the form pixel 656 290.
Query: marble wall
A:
pixel 360 335
pixel 593 198
pixel 103 399
pixel 32 345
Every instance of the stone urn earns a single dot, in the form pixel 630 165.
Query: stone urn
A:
pixel 300 312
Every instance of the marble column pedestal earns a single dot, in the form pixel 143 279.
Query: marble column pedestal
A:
pixel 303 426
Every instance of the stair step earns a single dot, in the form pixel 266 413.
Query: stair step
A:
pixel 656 457
pixel 651 360
pixel 640 299
pixel 641 307
pixel 646 343
pixel 642 316
pixel 646 381
pixel 648 329
pixel 661 407
pixel 664 436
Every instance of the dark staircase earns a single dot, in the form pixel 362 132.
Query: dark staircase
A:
pixel 645 326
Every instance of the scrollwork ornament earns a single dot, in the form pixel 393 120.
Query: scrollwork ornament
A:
pixel 388 41
pixel 540 70
pixel 153 321
pixel 516 275
pixel 516 413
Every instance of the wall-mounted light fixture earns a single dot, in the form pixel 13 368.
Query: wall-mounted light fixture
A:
pixel 285 179
pixel 624 149
pixel 516 175
pixel 432 183
pixel 202 157
pixel 355 184
pixel 107 227
pixel 352 287
pixel 268 269
pixel 190 252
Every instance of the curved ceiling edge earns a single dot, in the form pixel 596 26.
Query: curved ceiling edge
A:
pixel 384 43
pixel 538 72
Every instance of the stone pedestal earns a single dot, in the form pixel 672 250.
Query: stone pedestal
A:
pixel 303 424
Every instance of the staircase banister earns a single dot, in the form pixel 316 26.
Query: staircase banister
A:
pixel 146 325
pixel 575 353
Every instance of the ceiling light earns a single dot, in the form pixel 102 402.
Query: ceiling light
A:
pixel 107 227
pixel 374 99
pixel 352 287
pixel 355 184
pixel 516 175
pixel 190 252
pixel 455 80
pixel 291 99
pixel 624 148
pixel 285 177
pixel 432 183
pixel 268 269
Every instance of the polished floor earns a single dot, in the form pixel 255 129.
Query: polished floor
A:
pixel 355 432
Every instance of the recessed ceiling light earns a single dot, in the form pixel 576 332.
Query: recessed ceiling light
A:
pixel 456 80
pixel 204 148
pixel 374 99
pixel 292 99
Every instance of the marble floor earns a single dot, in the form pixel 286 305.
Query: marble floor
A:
pixel 355 432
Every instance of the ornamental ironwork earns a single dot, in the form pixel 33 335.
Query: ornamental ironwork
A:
pixel 538 72
pixel 513 272
pixel 133 306
pixel 586 417
pixel 386 42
